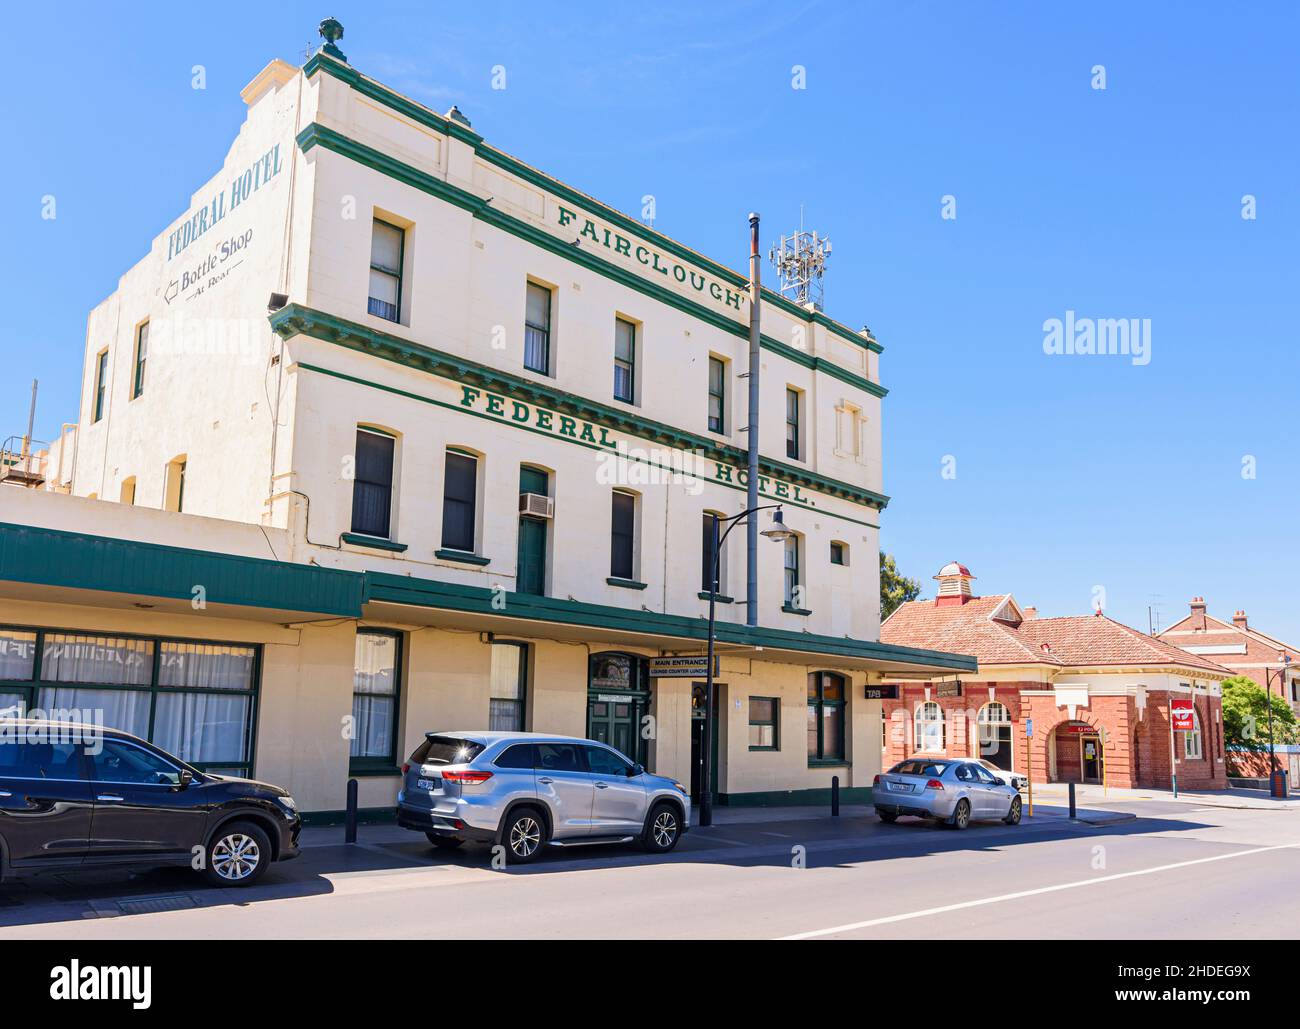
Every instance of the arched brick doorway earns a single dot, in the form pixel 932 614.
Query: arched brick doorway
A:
pixel 1075 753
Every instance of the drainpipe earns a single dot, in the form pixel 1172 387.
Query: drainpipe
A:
pixel 751 487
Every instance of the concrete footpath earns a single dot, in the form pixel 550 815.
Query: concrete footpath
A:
pixel 1097 796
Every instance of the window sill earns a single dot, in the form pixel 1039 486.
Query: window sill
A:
pixel 770 750
pixel 830 762
pixel 373 542
pixel 373 771
pixel 627 584
pixel 704 595
pixel 461 556
pixel 791 610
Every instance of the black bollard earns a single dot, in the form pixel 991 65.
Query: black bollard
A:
pixel 350 819
pixel 835 796
pixel 1071 800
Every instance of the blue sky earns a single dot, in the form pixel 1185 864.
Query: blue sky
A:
pixel 1072 471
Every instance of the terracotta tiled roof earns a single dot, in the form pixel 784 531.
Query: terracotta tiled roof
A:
pixel 1080 640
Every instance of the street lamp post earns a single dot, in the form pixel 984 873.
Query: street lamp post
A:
pixel 777 532
pixel 1285 658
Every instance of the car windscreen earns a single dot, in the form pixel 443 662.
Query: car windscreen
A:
pixel 445 750
pixel 919 768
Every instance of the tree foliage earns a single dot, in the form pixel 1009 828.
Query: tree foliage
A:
pixel 896 589
pixel 1245 715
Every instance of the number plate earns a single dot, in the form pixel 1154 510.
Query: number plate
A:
pixel 900 787
pixel 429 784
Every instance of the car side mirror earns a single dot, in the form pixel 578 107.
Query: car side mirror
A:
pixel 636 770
pixel 187 777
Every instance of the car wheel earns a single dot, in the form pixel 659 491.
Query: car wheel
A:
pixel 524 834
pixel 961 816
pixel 238 854
pixel 888 817
pixel 444 842
pixel 1013 816
pixel 662 829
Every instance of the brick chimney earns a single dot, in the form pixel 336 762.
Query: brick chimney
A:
pixel 1239 620
pixel 1030 613
pixel 1198 613
pixel 954 585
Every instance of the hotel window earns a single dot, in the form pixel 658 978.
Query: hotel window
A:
pixel 509 687
pixel 376 690
pixel 101 384
pixel 839 553
pixel 372 485
pixel 929 727
pixel 459 502
pixel 792 572
pixel 763 713
pixel 706 557
pixel 622 547
pixel 386 245
pixel 624 361
pixel 792 423
pixel 193 699
pixel 141 356
pixel 174 485
pixel 826 697
pixel 530 574
pixel 717 395
pixel 1193 748
pixel 537 329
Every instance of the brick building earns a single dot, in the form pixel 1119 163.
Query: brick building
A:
pixel 1097 692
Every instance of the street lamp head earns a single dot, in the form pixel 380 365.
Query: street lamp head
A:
pixel 778 531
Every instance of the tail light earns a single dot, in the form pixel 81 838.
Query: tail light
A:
pixel 875 781
pixel 934 784
pixel 406 767
pixel 466 778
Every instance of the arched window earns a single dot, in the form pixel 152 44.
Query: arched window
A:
pixel 1193 748
pixel 929 727
pixel 994 713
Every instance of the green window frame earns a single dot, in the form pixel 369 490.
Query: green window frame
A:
pixel 764 723
pixel 141 356
pixel 101 384
pixel 839 553
pixel 624 360
pixel 376 703
pixel 537 328
pixel 717 395
pixel 792 570
pixel 827 712
pixel 171 691
pixel 792 399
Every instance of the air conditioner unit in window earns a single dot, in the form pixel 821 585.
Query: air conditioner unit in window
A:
pixel 536 505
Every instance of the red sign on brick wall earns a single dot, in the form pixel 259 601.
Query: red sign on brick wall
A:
pixel 1181 708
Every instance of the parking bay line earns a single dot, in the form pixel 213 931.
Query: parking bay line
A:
pixel 868 923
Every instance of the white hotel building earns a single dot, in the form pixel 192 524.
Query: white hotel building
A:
pixel 441 485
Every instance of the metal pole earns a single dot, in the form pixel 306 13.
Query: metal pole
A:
pixel 706 775
pixel 1072 800
pixel 1268 701
pixel 835 796
pixel 751 486
pixel 1173 760
pixel 350 818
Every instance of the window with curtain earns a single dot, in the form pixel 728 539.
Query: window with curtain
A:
pixel 622 560
pixel 717 395
pixel 929 727
pixel 372 485
pixel 763 712
pixel 386 245
pixel 624 361
pixel 508 687
pixel 537 329
pixel 827 693
pixel 141 356
pixel 193 699
pixel 792 423
pixel 1193 746
pixel 791 569
pixel 376 689
pixel 459 502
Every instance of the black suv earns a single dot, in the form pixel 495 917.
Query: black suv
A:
pixel 82 796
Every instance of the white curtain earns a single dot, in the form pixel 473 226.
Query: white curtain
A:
pixel 202 727
pixel 97 659
pixel 17 654
pixel 205 666
pixel 127 710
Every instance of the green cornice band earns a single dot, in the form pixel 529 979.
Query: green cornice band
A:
pixel 315 135
pixel 431 119
pixel 296 319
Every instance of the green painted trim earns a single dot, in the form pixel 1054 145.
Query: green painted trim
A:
pixel 295 319
pixel 627 584
pixel 73 560
pixel 717 597
pixel 385 587
pixel 790 609
pixel 316 134
pixel 373 542
pixel 461 557
pixel 810 797
pixel 431 119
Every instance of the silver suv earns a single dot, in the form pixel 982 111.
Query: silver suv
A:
pixel 526 789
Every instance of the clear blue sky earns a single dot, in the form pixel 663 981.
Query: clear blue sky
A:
pixel 1072 471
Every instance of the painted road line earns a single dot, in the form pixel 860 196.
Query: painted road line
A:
pixel 925 912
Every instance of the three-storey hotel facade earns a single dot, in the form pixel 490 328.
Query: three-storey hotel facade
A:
pixel 391 432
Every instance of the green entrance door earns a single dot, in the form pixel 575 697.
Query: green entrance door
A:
pixel 618 697
pixel 531 567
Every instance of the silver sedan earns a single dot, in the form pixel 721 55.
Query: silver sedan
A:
pixel 952 790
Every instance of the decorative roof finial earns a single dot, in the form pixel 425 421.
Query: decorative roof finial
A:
pixel 457 115
pixel 331 30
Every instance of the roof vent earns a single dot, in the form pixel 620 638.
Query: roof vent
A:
pixel 1239 620
pixel 954 585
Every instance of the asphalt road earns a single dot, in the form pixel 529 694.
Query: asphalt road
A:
pixel 1176 871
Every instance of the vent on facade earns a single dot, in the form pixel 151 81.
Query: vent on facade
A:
pixel 954 584
pixel 536 505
